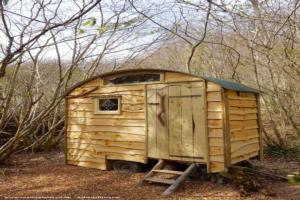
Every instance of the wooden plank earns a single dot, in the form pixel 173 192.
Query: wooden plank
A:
pixel 246 150
pixel 93 83
pixel 113 122
pixel 151 121
pixel 244 134
pixel 108 155
pixel 261 147
pixel 146 124
pixel 187 132
pixel 106 136
pixel 216 166
pixel 215 132
pixel 76 121
pixel 235 146
pixel 73 128
pixel 123 115
pixel 207 147
pixel 127 157
pixel 216 123
pixel 242 111
pixel 115 129
pixel 162 123
pixel 80 100
pixel 125 89
pixel 241 117
pixel 214 150
pixel 242 103
pixel 241 95
pixel 243 125
pixel 176 77
pixel 160 180
pixel 244 157
pixel 214 96
pixel 216 142
pixel 86 153
pixel 81 107
pixel 214 115
pixel 128 107
pixel 101 166
pixel 217 158
pixel 86 158
pixel 212 87
pixel 214 106
pixel 198 116
pixel 226 129
pixel 66 127
pixel 168 171
pixel 99 148
pixel 175 123
pixel 87 141
pixel 130 145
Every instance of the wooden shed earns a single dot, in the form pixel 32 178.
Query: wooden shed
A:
pixel 135 115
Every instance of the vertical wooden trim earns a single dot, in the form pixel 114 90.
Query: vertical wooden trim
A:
pixel 162 77
pixel 261 148
pixel 226 129
pixel 206 127
pixel 146 123
pixel 66 129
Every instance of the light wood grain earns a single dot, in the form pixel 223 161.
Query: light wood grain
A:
pixel 151 123
pixel 175 123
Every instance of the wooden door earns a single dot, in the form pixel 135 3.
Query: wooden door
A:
pixel 157 121
pixel 176 121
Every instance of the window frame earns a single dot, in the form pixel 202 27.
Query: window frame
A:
pixel 106 80
pixel 106 112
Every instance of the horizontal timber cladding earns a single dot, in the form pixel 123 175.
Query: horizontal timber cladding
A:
pixel 215 127
pixel 93 138
pixel 179 117
pixel 244 125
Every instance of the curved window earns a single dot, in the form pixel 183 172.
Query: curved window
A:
pixel 134 78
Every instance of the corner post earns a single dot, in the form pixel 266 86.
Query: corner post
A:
pixel 226 129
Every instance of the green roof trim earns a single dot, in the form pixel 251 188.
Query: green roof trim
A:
pixel 231 85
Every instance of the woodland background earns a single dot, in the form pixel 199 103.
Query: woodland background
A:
pixel 49 45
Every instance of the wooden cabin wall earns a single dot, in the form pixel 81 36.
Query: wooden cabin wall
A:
pixel 215 127
pixel 244 125
pixel 94 138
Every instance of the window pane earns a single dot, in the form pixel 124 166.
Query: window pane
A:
pixel 137 78
pixel 108 104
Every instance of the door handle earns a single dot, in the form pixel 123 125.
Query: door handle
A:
pixel 162 109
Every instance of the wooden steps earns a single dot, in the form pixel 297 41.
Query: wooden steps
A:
pixel 168 171
pixel 160 180
pixel 174 182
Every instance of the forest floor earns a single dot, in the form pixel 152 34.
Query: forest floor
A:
pixel 45 176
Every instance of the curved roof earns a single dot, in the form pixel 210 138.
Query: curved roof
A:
pixel 223 83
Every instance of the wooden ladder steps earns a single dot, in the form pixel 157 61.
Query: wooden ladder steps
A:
pixel 160 180
pixel 168 171
pixel 174 183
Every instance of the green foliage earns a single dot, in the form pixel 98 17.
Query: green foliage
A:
pixel 285 151
pixel 91 22
pixel 101 29
pixel 81 31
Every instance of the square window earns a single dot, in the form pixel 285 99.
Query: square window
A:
pixel 107 105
